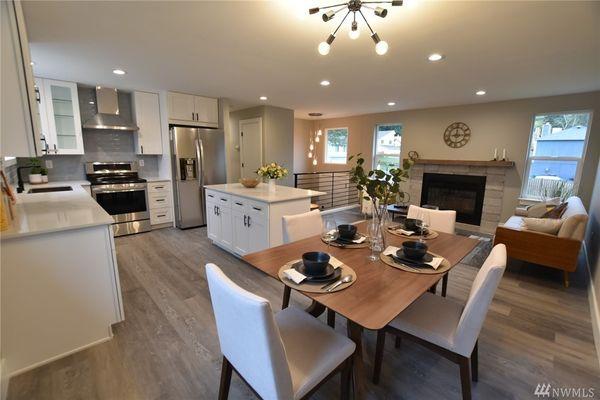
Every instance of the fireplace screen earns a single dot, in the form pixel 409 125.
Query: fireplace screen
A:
pixel 463 193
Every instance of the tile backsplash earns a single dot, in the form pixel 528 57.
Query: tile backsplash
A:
pixel 99 145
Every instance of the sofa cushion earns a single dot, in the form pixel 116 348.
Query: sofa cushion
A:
pixel 544 225
pixel 536 210
pixel 573 227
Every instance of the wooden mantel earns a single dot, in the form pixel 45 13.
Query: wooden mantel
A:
pixel 478 163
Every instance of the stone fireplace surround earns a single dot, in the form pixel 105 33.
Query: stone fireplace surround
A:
pixel 494 171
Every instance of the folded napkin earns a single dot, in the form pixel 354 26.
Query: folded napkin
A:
pixel 298 278
pixel 404 232
pixel 434 263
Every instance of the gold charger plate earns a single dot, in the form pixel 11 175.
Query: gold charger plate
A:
pixel 315 287
pixel 445 266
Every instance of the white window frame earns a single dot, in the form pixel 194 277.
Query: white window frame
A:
pixel 580 160
pixel 327 145
pixel 373 153
pixel 8 161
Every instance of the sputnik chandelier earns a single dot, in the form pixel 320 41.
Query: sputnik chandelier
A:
pixel 354 6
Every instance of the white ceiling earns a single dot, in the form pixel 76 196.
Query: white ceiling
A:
pixel 242 50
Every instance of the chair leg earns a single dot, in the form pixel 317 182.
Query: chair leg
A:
pixel 432 289
pixel 331 318
pixel 378 356
pixel 398 341
pixel 225 379
pixel 474 364
pixel 346 379
pixel 287 291
pixel 465 377
pixel 566 279
pixel 444 284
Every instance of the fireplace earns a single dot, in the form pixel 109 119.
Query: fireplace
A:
pixel 463 193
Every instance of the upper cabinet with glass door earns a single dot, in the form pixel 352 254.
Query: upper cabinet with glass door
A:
pixel 60 118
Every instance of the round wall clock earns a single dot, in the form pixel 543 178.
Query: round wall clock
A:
pixel 457 135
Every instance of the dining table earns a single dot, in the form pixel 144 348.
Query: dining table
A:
pixel 380 292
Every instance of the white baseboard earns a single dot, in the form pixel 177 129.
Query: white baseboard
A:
pixel 593 300
pixel 49 360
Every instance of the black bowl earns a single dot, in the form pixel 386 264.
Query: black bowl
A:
pixel 315 262
pixel 410 224
pixel 414 250
pixel 347 231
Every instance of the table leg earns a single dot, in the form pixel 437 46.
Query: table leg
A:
pixel 355 334
pixel 315 309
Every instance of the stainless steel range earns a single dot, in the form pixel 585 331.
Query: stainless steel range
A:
pixel 118 189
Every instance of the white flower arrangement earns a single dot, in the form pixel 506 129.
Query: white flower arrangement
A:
pixel 272 171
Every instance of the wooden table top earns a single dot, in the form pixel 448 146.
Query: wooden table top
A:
pixel 380 292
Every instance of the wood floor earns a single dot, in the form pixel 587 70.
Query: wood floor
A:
pixel 167 347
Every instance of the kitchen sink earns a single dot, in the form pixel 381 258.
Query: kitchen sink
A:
pixel 51 189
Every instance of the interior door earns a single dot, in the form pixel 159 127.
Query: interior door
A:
pixel 181 106
pixel 250 146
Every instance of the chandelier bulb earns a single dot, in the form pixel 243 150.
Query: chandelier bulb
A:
pixel 319 132
pixel 317 139
pixel 324 48
pixel 381 47
pixel 311 147
pixel 315 161
pixel 310 154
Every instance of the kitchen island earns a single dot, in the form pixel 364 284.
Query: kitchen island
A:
pixel 244 220
pixel 60 283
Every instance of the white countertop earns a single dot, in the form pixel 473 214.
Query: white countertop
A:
pixel 261 192
pixel 156 179
pixel 40 213
pixel 56 183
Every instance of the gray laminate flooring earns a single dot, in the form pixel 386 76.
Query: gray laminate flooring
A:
pixel 167 347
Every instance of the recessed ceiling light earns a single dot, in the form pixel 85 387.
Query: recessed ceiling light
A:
pixel 435 57
pixel 480 92
pixel 325 83
pixel 119 72
pixel 391 103
pixel 32 63
pixel 263 98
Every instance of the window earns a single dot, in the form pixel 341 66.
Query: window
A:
pixel 386 146
pixel 8 161
pixel 336 145
pixel 556 150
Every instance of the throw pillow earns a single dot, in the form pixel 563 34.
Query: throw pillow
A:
pixel 537 210
pixel 544 225
pixel 557 211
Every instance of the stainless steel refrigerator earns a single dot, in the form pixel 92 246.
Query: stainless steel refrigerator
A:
pixel 198 159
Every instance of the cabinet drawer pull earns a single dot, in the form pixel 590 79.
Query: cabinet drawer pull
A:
pixel 159 199
pixel 222 199
pixel 257 209
pixel 239 204
pixel 159 187
pixel 245 223
pixel 210 195
pixel 161 215
pixel 248 221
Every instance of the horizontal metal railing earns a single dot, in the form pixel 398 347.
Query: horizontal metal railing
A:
pixel 339 190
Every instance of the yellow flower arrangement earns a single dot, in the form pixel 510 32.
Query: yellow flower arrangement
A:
pixel 272 171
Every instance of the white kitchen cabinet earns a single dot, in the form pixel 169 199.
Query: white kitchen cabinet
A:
pixel 19 125
pixel 59 117
pixel 148 139
pixel 160 204
pixel 244 225
pixel 193 110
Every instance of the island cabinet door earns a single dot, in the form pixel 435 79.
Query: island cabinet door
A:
pixel 224 214
pixel 240 234
pixel 213 222
pixel 258 235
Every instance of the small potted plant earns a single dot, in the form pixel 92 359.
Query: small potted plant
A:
pixel 44 172
pixel 35 173
pixel 272 172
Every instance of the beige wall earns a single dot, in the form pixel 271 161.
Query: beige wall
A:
pixel 592 242
pixel 499 125
pixel 277 140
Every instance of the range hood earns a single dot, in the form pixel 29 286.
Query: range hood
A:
pixel 107 112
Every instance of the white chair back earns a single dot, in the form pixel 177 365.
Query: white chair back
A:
pixel 480 297
pixel 249 337
pixel 439 220
pixel 300 226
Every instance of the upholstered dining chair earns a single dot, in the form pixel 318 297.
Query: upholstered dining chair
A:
pixel 447 327
pixel 300 226
pixel 283 356
pixel 439 220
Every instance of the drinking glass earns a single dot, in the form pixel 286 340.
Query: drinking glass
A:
pixel 423 223
pixel 330 232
